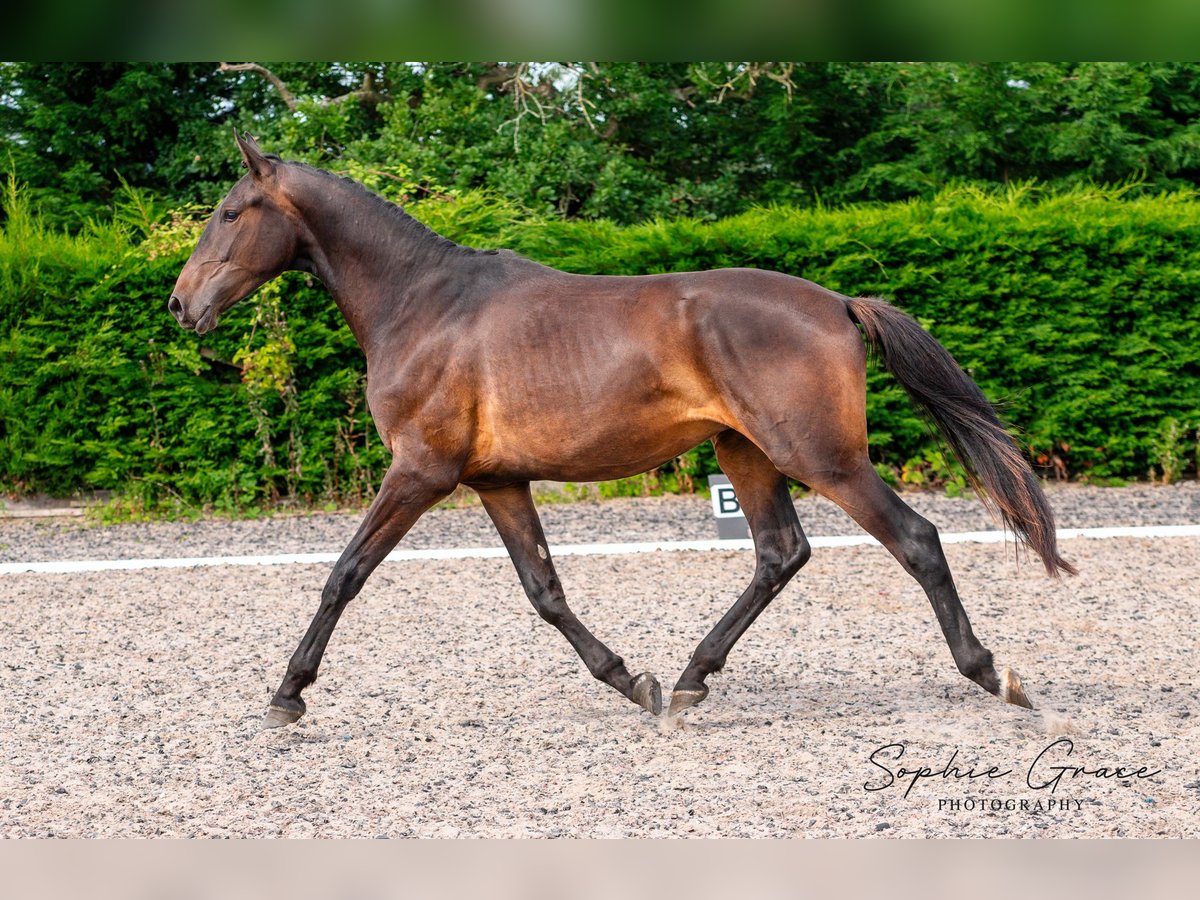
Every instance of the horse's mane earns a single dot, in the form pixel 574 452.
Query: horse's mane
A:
pixel 412 228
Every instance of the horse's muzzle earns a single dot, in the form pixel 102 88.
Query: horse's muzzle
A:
pixel 206 322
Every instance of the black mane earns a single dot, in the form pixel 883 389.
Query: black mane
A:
pixel 411 226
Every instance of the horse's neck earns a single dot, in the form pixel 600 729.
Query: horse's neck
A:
pixel 368 254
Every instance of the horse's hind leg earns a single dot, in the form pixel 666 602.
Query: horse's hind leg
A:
pixel 780 550
pixel 914 542
pixel 512 511
pixel 403 496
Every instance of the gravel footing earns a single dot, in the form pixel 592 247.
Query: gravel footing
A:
pixel 633 519
pixel 129 701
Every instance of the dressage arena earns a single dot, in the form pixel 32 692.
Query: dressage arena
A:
pixel 130 699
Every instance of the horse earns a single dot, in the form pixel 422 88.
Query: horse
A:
pixel 489 370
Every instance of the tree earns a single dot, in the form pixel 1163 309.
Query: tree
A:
pixel 626 141
pixel 621 140
pixel 1058 123
pixel 75 131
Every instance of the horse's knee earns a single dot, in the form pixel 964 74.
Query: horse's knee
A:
pixel 551 611
pixel 344 583
pixel 780 560
pixel 799 556
pixel 548 599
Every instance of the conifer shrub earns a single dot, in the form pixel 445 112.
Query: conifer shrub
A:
pixel 1076 313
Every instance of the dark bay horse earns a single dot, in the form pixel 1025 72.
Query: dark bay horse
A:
pixel 490 370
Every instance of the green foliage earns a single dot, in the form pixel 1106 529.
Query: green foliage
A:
pixel 933 466
pixel 623 141
pixel 1064 124
pixel 76 131
pixel 1169 449
pixel 1074 310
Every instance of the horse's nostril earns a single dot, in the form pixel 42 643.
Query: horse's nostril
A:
pixel 175 307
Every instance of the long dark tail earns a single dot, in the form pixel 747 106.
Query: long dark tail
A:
pixel 957 407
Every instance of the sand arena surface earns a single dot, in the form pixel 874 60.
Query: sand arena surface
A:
pixel 129 701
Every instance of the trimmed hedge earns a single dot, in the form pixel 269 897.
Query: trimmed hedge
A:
pixel 1077 313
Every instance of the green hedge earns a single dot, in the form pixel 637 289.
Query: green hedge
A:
pixel 1077 313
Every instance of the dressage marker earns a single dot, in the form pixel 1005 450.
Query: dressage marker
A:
pixel 727 510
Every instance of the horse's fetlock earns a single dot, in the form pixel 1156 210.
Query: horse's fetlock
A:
pixel 707 660
pixel 977 667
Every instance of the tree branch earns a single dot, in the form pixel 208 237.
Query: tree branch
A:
pixel 497 75
pixel 368 93
pixel 365 94
pixel 288 98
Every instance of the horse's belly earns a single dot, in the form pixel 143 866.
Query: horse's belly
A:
pixel 602 395
pixel 602 443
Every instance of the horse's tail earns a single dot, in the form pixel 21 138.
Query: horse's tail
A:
pixel 957 407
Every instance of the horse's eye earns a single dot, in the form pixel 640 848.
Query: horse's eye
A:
pixel 229 215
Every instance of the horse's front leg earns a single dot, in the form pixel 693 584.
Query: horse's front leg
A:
pixel 404 495
pixel 512 511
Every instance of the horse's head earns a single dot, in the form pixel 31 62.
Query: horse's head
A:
pixel 252 237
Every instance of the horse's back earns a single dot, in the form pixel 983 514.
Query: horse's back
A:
pixel 645 367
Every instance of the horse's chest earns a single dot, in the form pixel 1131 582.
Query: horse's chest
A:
pixel 419 411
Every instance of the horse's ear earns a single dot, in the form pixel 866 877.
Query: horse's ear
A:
pixel 253 158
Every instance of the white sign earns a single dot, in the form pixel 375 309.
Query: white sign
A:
pixel 731 521
pixel 725 502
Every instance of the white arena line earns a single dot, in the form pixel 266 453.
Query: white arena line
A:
pixel 853 540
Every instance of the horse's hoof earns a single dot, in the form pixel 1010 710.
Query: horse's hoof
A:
pixel 647 693
pixel 1011 690
pixel 681 700
pixel 278 717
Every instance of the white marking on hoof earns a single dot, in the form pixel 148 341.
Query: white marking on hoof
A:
pixel 681 700
pixel 1011 690
pixel 278 717
pixel 647 693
